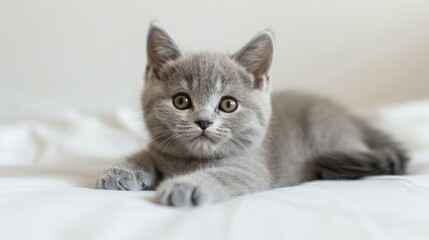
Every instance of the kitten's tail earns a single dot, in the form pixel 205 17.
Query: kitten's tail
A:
pixel 357 165
pixel 384 158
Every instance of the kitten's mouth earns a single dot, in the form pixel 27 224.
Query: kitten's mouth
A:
pixel 204 137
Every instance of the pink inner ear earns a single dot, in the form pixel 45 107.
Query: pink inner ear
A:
pixel 161 47
pixel 256 56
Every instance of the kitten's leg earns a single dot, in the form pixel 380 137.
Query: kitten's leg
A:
pixel 136 173
pixel 213 184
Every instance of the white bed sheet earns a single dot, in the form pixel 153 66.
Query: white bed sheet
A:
pixel 48 166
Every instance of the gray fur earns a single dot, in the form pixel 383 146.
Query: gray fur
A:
pixel 271 140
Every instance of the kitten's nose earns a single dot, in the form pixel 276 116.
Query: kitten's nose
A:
pixel 203 124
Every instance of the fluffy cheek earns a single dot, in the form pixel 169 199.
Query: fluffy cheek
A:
pixel 162 117
pixel 246 128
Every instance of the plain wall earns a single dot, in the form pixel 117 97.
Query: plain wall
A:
pixel 90 54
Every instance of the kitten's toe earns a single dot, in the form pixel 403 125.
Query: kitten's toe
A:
pixel 118 179
pixel 181 195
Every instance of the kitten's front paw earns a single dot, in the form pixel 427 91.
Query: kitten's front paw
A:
pixel 119 179
pixel 181 195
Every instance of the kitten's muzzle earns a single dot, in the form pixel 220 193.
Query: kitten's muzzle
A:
pixel 203 124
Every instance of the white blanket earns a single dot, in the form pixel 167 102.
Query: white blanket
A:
pixel 48 166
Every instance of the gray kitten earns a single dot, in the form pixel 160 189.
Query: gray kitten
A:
pixel 217 132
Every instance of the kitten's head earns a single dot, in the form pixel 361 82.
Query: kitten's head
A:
pixel 206 105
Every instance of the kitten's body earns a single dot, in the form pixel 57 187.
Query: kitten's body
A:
pixel 267 142
pixel 314 132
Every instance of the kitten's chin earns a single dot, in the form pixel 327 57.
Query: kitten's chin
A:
pixel 203 147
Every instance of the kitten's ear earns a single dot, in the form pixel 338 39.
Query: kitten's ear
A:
pixel 256 56
pixel 161 48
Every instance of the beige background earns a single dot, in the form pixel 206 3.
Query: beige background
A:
pixel 90 54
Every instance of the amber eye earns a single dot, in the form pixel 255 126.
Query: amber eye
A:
pixel 228 105
pixel 182 101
